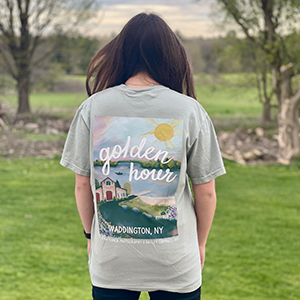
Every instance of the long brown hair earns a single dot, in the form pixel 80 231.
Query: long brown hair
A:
pixel 146 43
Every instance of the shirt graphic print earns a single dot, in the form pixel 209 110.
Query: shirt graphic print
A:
pixel 137 167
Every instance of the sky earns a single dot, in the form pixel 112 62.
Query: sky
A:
pixel 190 18
pixel 142 139
pixel 111 131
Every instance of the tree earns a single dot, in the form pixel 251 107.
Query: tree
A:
pixel 127 186
pixel 193 50
pixel 22 26
pixel 73 52
pixel 97 184
pixel 236 54
pixel 266 23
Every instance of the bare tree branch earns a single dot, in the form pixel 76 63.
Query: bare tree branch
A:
pixel 236 14
pixel 41 59
pixel 10 68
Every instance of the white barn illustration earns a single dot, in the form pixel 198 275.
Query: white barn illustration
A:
pixel 109 190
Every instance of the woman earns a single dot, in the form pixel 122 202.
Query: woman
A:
pixel 132 145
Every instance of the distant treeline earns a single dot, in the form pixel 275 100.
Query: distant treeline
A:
pixel 152 164
pixel 229 54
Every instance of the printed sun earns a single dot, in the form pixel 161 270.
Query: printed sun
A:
pixel 164 132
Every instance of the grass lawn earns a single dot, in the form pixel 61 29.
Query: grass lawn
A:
pixel 252 252
pixel 229 95
pixel 229 101
pixel 253 247
pixel 219 101
pixel 63 105
pixel 68 100
pixel 229 104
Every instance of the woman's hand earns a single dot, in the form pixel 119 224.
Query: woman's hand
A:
pixel 205 205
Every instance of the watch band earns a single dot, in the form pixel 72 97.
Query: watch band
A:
pixel 87 235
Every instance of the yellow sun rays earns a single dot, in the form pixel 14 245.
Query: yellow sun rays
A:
pixel 164 132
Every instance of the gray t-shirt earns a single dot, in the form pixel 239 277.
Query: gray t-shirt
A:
pixel 139 146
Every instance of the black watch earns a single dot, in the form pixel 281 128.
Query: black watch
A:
pixel 87 235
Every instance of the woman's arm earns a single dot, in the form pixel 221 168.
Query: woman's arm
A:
pixel 85 205
pixel 205 205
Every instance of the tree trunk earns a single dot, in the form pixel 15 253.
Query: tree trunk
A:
pixel 276 82
pixel 266 114
pixel 23 94
pixel 288 130
pixel 288 118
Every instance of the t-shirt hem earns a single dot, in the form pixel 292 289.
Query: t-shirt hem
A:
pixel 149 288
pixel 211 176
pixel 74 168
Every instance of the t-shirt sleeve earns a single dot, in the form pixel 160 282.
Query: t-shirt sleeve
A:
pixel 77 147
pixel 204 160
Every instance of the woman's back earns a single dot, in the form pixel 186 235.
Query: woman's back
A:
pixel 144 142
pixel 133 144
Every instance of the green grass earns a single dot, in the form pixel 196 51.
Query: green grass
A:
pixel 231 100
pixel 253 248
pixel 252 252
pixel 228 106
pixel 222 101
pixel 43 251
pixel 225 98
pixel 81 78
pixel 51 100
pixel 59 105
pixel 40 137
pixel 57 100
